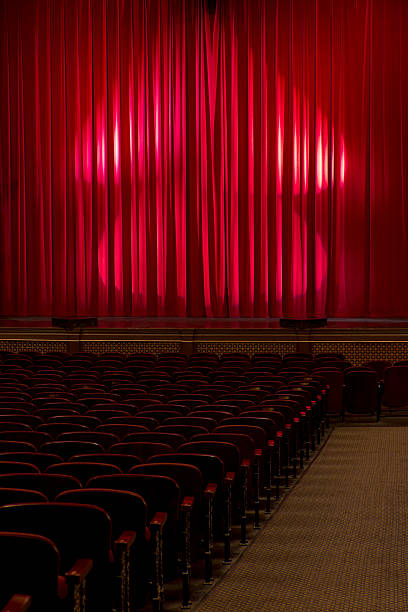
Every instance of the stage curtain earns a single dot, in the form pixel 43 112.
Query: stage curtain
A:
pixel 162 158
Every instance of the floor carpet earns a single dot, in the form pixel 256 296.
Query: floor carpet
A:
pixel 338 542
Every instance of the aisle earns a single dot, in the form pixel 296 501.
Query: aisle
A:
pixel 339 541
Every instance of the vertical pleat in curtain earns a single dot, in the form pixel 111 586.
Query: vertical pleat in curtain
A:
pixel 161 159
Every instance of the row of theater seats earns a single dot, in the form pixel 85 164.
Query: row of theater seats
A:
pixel 118 472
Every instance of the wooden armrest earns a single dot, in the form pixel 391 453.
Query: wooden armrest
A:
pixel 79 571
pixel 18 603
pixel 159 520
pixel 271 443
pixel 229 477
pixel 187 504
pixel 245 463
pixel 125 540
pixel 210 489
pixel 258 452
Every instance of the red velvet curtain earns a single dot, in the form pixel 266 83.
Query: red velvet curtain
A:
pixel 159 159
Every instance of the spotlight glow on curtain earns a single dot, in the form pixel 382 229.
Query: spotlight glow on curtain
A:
pixel 160 160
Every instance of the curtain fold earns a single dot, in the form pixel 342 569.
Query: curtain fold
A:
pixel 161 159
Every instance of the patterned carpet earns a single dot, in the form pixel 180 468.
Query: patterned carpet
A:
pixel 338 542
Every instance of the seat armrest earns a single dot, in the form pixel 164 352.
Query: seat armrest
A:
pixel 258 452
pixel 125 540
pixel 159 520
pixel 229 477
pixel 187 504
pixel 18 603
pixel 79 571
pixel 210 489
pixel 245 463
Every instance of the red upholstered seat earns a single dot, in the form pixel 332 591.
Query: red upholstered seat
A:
pixel 32 568
pixel 123 462
pixel 78 532
pixel 84 470
pixel 68 448
pixel 48 484
pixel 41 460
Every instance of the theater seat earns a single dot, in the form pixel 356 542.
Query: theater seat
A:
pixel 395 397
pixel 134 557
pixel 31 565
pixel 48 484
pixel 83 471
pixel 78 532
pixel 20 496
pixel 123 462
pixel 41 460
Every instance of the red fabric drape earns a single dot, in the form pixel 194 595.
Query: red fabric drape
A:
pixel 157 159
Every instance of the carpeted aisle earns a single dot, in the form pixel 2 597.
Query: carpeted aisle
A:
pixel 339 541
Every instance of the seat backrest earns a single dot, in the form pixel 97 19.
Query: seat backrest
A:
pixel 335 379
pixel 104 413
pixel 226 451
pixel 120 430
pixel 32 567
pixel 26 419
pixel 147 422
pixel 237 401
pixel 192 419
pixel 69 448
pixel 144 450
pixel 41 460
pixel 221 407
pixel 81 419
pixel 55 429
pixel 395 386
pixel 172 439
pixel 37 438
pixel 59 410
pixel 49 484
pixel 116 406
pixel 213 414
pixel 10 495
pixel 289 408
pixel 255 432
pixel 83 471
pixel 259 419
pixel 103 438
pixel 79 531
pixel 123 462
pixel 127 510
pixel 16 467
pixel 187 476
pixel 379 365
pixel 186 431
pixel 161 493
pixel 15 446
pixel 160 414
pixel 210 466
pixel 6 426
pixel 243 442
pixel 361 391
